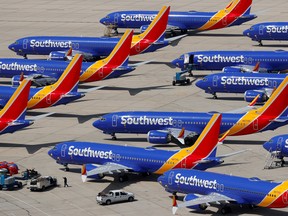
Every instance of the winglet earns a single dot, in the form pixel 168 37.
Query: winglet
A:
pixel 253 102
pixel 84 173
pixel 174 204
pixel 182 132
pixel 257 66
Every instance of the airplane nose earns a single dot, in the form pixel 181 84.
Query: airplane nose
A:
pixel 176 63
pixel 161 179
pixel 246 32
pixel 11 47
pixel 200 84
pixel 267 146
pixel 97 124
pixel 103 21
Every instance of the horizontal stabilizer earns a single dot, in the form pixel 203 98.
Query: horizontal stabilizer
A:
pixel 91 89
pixel 140 63
pixel 34 118
pixel 233 153
pixel 173 41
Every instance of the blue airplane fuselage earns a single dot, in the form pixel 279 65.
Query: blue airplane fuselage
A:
pixel 278 144
pixel 10 67
pixel 239 82
pixel 94 47
pixel 217 60
pixel 243 190
pixel 268 31
pixel 142 122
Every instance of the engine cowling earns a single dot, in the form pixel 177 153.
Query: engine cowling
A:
pixel 251 94
pixel 15 81
pixel 232 70
pixel 89 167
pixel 158 137
pixel 143 28
pixel 189 197
pixel 56 55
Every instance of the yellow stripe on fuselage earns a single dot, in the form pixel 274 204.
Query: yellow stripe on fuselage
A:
pixel 39 96
pixel 218 16
pixel 183 153
pixel 274 194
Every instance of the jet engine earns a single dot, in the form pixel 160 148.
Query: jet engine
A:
pixel 159 137
pixel 143 28
pixel 251 94
pixel 189 197
pixel 57 55
pixel 38 80
pixel 232 70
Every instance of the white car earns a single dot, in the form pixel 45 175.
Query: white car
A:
pixel 114 196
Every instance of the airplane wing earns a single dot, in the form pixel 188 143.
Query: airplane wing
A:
pixel 180 134
pixel 106 168
pixel 206 199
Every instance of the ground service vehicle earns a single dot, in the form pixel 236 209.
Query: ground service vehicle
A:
pixel 41 183
pixel 114 196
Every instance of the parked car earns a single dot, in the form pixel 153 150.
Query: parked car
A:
pixel 41 183
pixel 114 196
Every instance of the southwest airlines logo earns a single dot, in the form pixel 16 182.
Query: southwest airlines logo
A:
pixel 194 181
pixel 244 81
pixel 16 66
pixel 220 58
pixel 277 29
pixel 50 43
pixel 144 120
pixel 88 152
pixel 137 17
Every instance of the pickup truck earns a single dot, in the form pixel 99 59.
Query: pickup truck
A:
pixel 114 196
pixel 41 183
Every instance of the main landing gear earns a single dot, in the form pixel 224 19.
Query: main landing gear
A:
pixel 66 168
pixel 113 136
pixel 260 43
pixel 215 95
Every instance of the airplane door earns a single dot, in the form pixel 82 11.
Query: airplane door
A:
pixel 101 72
pixel 116 16
pixel 183 163
pixel 215 81
pixel 114 120
pixel 138 47
pixel 171 175
pixel 224 21
pixel 63 150
pixel 279 143
pixel 25 43
pixel 285 197
pixel 117 157
pixel 255 124
pixel 180 123
pixel 48 99
pixel 261 30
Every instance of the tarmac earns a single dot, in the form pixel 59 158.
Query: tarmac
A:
pixel 149 87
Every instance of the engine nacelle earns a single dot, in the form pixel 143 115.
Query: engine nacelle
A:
pixel 38 80
pixel 232 70
pixel 56 55
pixel 158 137
pixel 143 28
pixel 189 197
pixel 15 81
pixel 89 167
pixel 251 94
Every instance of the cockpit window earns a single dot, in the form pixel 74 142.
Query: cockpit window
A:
pixel 271 141
pixel 102 119
pixel 251 29
pixel 54 148
pixel 107 17
pixel 204 79
pixel 181 58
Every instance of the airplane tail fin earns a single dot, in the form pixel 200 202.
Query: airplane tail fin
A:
pixel 241 7
pixel 277 104
pixel 68 81
pixel 206 143
pixel 16 107
pixel 155 31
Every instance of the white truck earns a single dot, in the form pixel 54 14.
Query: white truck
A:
pixel 114 196
pixel 41 183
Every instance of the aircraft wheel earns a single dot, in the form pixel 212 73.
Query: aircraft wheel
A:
pixel 173 83
pixel 203 207
pixel 225 210
pixel 187 81
pixel 123 178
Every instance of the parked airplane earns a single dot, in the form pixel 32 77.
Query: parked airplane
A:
pixel 12 116
pixel 48 72
pixel 278 146
pixel 236 61
pixel 268 31
pixel 205 188
pixel 251 84
pixel 235 13
pixel 95 47
pixel 98 159
pixel 160 127
pixel 65 90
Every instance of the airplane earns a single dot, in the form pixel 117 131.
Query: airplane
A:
pixel 94 47
pixel 65 90
pixel 278 146
pixel 9 167
pixel 267 31
pixel 12 116
pixel 48 72
pixel 204 188
pixel 251 84
pixel 235 13
pixel 162 127
pixel 233 61
pixel 98 158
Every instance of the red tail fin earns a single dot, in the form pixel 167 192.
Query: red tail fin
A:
pixel 153 33
pixel 68 81
pixel 17 104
